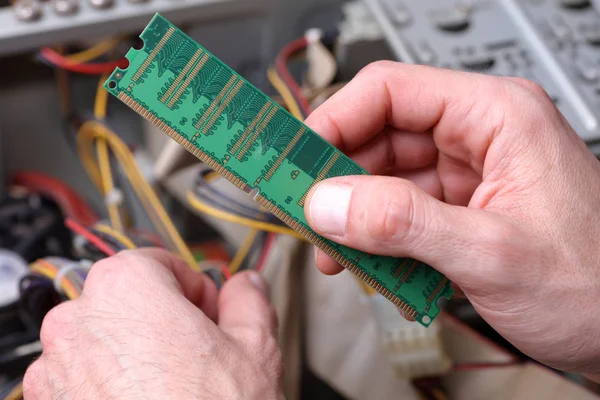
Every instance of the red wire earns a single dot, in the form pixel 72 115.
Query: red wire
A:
pixel 68 200
pixel 93 239
pixel 281 66
pixel 82 68
pixel 225 271
pixel 262 261
pixel 147 235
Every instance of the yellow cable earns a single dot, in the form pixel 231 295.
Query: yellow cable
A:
pixel 66 285
pixel 92 131
pixel 438 394
pixel 211 176
pixel 284 92
pixel 107 230
pixel 108 187
pixel 101 100
pixel 236 219
pixel 95 51
pixel 106 178
pixel 368 290
pixel 242 253
pixel 16 393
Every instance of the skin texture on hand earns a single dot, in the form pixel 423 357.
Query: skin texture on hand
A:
pixel 482 178
pixel 147 327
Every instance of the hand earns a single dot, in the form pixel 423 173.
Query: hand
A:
pixel 482 178
pixel 142 329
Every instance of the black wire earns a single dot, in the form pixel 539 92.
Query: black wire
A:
pixel 43 227
pixel 216 276
pixel 248 212
pixel 5 391
pixel 38 296
pixel 257 247
pixel 16 339
pixel 201 183
pixel 217 204
pixel 110 240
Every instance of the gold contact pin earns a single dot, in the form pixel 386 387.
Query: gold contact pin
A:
pixel 310 236
pixel 317 241
pixel 182 140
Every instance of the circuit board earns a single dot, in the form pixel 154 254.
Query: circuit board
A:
pixel 241 133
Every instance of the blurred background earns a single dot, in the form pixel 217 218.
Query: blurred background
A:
pixel 67 201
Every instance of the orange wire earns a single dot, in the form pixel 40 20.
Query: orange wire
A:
pixel 64 281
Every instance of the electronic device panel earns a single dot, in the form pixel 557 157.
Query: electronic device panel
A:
pixel 553 43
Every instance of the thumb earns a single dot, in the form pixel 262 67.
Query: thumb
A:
pixel 245 312
pixel 393 217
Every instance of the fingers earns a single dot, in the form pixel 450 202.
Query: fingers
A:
pixel 245 312
pixel 391 216
pixel 159 267
pixel 392 150
pixel 326 264
pixel 426 179
pixel 415 99
pixel 35 381
pixel 197 287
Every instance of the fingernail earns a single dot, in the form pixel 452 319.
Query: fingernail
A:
pixel 329 208
pixel 258 282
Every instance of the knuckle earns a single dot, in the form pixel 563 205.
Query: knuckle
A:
pixel 392 215
pixel 114 272
pixel 56 326
pixel 102 271
pixel 529 85
pixel 259 340
pixel 375 68
pixel 533 89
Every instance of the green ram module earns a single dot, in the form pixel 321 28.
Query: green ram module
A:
pixel 241 133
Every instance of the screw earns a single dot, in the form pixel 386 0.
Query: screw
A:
pixel 27 10
pixel 65 7
pixel 101 3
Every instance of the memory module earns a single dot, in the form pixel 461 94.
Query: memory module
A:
pixel 241 133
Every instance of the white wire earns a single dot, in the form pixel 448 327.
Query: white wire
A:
pixel 62 272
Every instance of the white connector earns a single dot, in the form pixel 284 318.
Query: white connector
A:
pixel 413 350
pixel 322 66
pixel 114 197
